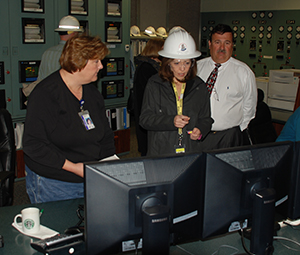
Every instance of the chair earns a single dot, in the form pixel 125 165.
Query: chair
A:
pixel 261 129
pixel 7 158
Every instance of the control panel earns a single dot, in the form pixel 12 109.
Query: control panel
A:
pixel 264 40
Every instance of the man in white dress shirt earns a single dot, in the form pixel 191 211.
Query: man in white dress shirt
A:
pixel 234 94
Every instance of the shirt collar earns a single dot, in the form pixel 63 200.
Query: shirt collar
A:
pixel 222 65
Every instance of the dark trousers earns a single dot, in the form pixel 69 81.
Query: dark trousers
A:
pixel 231 137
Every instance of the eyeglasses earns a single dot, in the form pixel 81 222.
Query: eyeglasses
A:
pixel 177 63
pixel 216 96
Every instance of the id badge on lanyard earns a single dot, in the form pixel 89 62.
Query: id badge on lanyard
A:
pixel 85 117
pixel 180 147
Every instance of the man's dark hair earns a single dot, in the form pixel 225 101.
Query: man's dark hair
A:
pixel 221 29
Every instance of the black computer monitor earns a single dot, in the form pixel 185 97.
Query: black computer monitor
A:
pixel 239 191
pixel 290 206
pixel 156 199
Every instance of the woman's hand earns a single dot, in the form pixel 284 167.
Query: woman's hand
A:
pixel 196 134
pixel 181 120
pixel 76 168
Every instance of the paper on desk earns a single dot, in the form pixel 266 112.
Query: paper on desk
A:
pixel 42 234
pixel 113 157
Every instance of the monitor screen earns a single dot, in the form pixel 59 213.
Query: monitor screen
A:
pixel 28 71
pixel 290 207
pixel 111 68
pixel 235 179
pixel 123 197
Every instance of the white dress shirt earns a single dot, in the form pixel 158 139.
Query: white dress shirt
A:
pixel 233 99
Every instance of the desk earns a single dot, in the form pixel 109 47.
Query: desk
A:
pixel 61 215
pixel 57 216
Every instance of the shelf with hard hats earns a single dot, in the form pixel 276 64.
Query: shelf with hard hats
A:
pixel 33 6
pixel 150 32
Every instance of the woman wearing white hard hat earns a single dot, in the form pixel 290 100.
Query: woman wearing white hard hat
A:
pixel 176 105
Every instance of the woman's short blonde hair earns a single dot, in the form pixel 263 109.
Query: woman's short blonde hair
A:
pixel 152 47
pixel 79 49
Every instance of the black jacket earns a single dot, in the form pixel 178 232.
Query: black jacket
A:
pixel 159 110
pixel 146 67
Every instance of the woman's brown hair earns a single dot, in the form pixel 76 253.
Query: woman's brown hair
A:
pixel 152 47
pixel 166 73
pixel 79 49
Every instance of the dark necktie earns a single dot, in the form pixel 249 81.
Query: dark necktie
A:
pixel 212 78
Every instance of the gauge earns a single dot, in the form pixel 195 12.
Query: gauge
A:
pixel 262 15
pixel 254 15
pixel 235 28
pixel 281 28
pixel 269 28
pixel 261 35
pixel 242 35
pixel 204 28
pixel 253 28
pixel 261 28
pixel 269 35
pixel 270 15
pixel 290 28
pixel 211 28
pixel 235 35
pixel 289 36
pixel 243 28
pixel 297 36
pixel 298 28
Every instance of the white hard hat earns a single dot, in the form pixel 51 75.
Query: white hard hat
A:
pixel 161 31
pixel 176 28
pixel 180 45
pixel 69 23
pixel 135 31
pixel 150 31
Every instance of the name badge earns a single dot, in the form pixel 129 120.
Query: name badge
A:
pixel 86 120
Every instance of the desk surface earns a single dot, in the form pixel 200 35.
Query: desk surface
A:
pixel 61 215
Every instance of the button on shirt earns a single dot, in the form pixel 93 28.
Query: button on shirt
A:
pixel 233 99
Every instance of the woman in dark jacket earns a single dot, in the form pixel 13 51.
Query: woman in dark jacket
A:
pixel 176 106
pixel 147 64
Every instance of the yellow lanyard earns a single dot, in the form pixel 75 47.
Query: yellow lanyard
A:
pixel 179 101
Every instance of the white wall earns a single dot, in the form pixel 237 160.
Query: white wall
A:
pixel 248 5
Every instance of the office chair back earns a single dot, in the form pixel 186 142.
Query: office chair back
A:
pixel 7 158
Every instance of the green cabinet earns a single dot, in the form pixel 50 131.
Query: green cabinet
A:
pixel 14 49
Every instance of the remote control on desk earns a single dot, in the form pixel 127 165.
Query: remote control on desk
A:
pixel 57 242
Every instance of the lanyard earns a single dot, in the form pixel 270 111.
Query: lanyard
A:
pixel 179 102
pixel 81 104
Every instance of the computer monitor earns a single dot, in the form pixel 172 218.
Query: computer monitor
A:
pixel 239 191
pixel 154 199
pixel 290 206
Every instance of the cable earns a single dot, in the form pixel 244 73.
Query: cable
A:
pixel 287 239
pixel 184 250
pixel 79 215
pixel 243 243
pixel 226 246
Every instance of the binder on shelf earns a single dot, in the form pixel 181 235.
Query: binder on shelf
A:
pixel 119 115
pixel 113 119
pixel 126 117
pixel 108 115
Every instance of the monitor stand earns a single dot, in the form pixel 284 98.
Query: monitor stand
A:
pixel 156 230
pixel 262 231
